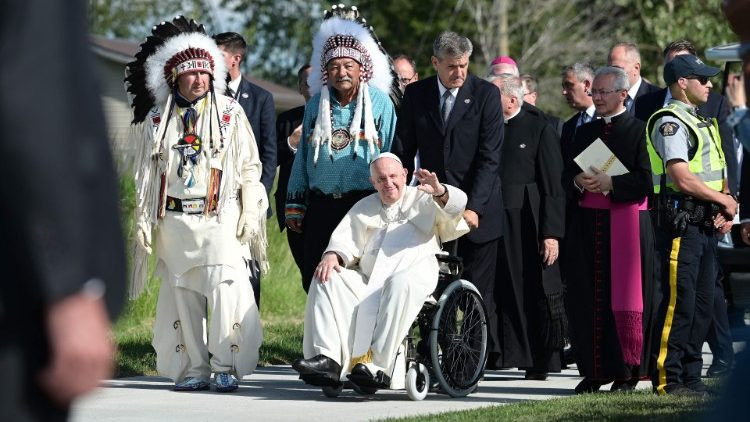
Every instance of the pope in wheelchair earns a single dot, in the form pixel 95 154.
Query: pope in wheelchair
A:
pixel 373 280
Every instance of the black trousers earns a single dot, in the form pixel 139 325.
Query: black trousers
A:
pixel 480 263
pixel 296 246
pixel 254 269
pixel 322 216
pixel 719 336
pixel 688 276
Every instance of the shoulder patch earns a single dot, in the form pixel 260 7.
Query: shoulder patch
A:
pixel 668 128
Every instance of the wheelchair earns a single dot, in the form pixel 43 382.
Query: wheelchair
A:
pixel 446 347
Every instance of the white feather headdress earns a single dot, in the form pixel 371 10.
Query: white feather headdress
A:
pixel 381 67
pixel 159 80
pixel 344 35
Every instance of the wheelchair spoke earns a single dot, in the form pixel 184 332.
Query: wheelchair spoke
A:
pixel 461 339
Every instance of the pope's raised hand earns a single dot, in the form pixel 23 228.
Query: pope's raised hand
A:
pixel 428 182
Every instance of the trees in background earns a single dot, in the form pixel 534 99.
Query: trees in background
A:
pixel 133 19
pixel 542 35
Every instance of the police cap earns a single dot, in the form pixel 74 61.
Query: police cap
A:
pixel 686 65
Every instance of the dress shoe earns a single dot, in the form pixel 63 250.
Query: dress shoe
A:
pixel 587 385
pixel 624 385
pixel 569 356
pixel 191 384
pixel 700 387
pixel 718 368
pixel 535 376
pixel 319 370
pixel 684 391
pixel 364 378
pixel 225 382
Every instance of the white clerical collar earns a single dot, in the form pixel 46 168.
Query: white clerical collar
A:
pixel 514 114
pixel 667 97
pixel 392 212
pixel 234 84
pixel 633 91
pixel 442 89
pixel 608 119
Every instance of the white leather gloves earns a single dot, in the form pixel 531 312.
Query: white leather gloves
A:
pixel 143 235
pixel 254 206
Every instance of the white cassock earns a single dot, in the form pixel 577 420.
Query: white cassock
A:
pixel 200 260
pixel 363 313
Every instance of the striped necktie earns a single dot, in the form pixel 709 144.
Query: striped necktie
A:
pixel 445 110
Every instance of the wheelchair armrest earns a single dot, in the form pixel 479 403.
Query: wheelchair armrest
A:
pixel 450 265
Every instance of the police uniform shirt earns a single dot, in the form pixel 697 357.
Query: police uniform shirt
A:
pixel 671 139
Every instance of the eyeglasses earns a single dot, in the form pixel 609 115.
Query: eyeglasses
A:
pixel 595 93
pixel 701 79
pixel 405 81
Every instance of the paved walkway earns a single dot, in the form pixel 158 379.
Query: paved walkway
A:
pixel 274 393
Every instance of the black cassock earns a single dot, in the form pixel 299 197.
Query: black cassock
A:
pixel 529 295
pixel 586 257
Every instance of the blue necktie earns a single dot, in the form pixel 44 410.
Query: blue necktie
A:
pixel 629 103
pixel 583 119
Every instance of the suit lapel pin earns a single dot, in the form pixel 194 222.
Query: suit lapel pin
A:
pixel 244 95
pixel 523 145
pixel 467 101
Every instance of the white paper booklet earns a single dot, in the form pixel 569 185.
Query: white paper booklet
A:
pixel 600 156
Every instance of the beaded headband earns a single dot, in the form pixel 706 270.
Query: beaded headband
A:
pixel 189 60
pixel 339 46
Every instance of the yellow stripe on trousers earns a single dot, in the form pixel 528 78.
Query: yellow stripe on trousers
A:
pixel 669 317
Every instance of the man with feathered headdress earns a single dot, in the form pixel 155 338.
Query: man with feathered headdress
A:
pixel 347 122
pixel 198 185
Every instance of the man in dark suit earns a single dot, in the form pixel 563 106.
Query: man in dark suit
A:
pixel 289 132
pixel 455 121
pixel 256 101
pixel 626 56
pixel 62 252
pixel 260 112
pixel 576 85
pixel 576 88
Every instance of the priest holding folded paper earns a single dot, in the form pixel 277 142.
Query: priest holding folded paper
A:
pixel 610 238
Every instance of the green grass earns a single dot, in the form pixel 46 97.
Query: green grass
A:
pixel 282 305
pixel 641 405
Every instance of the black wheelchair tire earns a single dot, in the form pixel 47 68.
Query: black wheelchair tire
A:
pixel 458 290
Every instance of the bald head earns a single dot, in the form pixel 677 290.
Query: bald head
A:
pixel 626 57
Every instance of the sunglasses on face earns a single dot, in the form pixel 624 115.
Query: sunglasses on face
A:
pixel 701 79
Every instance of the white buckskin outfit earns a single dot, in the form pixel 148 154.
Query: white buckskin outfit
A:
pixel 362 314
pixel 202 245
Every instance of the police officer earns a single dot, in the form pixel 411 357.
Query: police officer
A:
pixel 689 176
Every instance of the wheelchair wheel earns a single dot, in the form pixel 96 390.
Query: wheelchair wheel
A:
pixel 417 382
pixel 458 339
